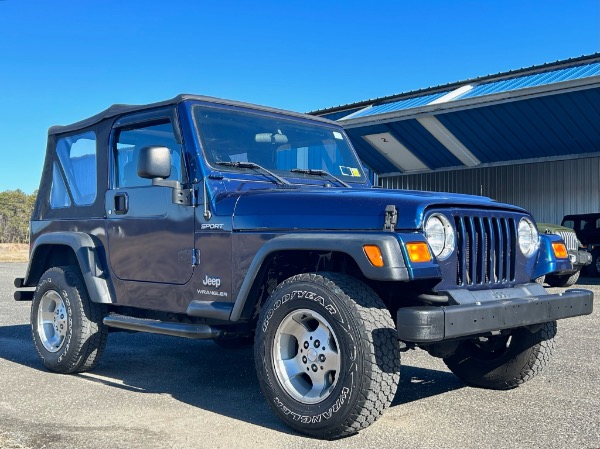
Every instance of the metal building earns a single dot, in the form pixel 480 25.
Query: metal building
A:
pixel 529 137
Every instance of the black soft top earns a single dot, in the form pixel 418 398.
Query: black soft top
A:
pixel 118 109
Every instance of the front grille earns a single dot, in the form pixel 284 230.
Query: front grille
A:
pixel 485 250
pixel 570 239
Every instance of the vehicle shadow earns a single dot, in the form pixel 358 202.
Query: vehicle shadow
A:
pixel 199 373
pixel 16 346
pixel 420 383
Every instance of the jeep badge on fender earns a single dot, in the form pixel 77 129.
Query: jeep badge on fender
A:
pixel 213 219
pixel 211 282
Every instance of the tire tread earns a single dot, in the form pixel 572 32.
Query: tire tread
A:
pixel 93 335
pixel 369 313
pixel 530 355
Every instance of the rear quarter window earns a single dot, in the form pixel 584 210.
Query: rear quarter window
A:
pixel 77 156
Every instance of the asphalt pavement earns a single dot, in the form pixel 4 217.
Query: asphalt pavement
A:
pixel 152 391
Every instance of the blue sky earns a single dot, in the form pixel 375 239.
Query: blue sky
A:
pixel 62 61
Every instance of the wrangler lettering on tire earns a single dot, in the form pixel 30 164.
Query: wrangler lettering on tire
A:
pixel 326 354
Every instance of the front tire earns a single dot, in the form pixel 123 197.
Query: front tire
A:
pixel 503 362
pixel 67 328
pixel 326 354
pixel 540 280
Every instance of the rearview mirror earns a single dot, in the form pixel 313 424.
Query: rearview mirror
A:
pixel 271 138
pixel 154 162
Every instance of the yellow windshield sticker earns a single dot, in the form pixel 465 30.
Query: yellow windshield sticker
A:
pixel 349 171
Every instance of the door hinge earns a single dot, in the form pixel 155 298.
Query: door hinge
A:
pixel 182 196
pixel 391 218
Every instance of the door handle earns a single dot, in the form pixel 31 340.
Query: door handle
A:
pixel 121 203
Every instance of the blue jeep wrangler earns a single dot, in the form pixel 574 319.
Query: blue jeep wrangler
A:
pixel 211 219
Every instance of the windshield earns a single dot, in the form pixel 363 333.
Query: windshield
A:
pixel 279 144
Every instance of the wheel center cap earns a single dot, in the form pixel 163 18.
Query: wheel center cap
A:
pixel 312 355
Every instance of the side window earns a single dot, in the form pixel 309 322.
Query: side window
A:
pixel 129 141
pixel 569 224
pixel 77 155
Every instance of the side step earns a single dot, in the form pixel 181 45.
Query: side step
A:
pixel 194 331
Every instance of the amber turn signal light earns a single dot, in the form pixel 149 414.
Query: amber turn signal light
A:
pixel 560 251
pixel 418 252
pixel 374 255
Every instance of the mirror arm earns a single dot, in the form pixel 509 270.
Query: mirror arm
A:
pixel 166 183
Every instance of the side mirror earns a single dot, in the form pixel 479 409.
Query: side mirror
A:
pixel 154 162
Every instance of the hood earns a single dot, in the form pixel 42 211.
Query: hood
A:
pixel 345 209
pixel 549 228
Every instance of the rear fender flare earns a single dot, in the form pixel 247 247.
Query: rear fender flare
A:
pixel 86 252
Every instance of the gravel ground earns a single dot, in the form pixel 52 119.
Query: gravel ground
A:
pixel 154 391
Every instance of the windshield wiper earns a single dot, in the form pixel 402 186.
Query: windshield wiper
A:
pixel 310 171
pixel 278 179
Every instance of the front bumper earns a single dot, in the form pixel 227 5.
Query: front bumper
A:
pixel 428 324
pixel 580 258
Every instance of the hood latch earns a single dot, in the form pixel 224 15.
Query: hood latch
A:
pixel 391 218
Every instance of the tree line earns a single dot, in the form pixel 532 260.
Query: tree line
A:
pixel 15 211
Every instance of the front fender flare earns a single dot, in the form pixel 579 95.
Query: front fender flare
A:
pixel 352 244
pixel 547 262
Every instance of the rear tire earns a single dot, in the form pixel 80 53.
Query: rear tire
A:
pixel 503 362
pixel 67 328
pixel 327 354
pixel 562 281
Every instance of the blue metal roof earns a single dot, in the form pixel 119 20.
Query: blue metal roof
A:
pixel 536 79
pixel 553 120
pixel 408 103
pixel 564 70
pixel 338 115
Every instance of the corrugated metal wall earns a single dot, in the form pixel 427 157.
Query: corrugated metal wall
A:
pixel 549 190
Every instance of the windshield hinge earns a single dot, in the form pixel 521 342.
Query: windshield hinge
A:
pixel 391 218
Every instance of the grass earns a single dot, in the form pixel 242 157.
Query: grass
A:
pixel 14 252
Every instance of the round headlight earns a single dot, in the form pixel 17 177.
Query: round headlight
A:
pixel 440 236
pixel 528 237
